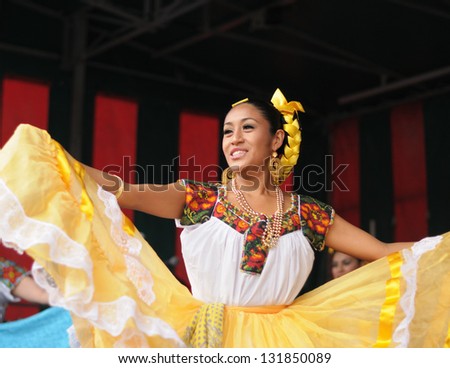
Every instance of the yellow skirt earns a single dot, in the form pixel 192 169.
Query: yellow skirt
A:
pixel 94 263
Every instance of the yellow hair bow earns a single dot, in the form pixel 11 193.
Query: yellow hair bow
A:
pixel 292 128
pixel 280 102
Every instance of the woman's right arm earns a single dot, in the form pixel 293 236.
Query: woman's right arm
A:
pixel 165 200
pixel 27 289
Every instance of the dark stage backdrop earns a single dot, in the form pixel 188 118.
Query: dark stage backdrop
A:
pixel 437 148
pixel 157 153
pixel 398 170
pixel 377 206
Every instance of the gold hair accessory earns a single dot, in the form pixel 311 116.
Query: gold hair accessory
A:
pixel 292 128
pixel 118 192
pixel 239 102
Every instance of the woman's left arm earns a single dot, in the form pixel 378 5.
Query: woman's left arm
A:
pixel 347 238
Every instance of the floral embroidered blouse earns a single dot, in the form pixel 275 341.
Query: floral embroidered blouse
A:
pixel 224 256
pixel 10 276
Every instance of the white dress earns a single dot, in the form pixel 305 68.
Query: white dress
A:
pixel 213 239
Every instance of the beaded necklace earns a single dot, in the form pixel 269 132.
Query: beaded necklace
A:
pixel 272 230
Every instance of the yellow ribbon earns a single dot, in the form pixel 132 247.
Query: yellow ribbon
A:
pixel 387 312
pixel 447 341
pixel 128 226
pixel 283 106
pixel 86 205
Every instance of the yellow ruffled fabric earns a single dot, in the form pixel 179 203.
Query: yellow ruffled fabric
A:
pixel 120 294
pixel 351 311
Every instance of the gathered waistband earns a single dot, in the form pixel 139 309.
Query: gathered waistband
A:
pixel 265 309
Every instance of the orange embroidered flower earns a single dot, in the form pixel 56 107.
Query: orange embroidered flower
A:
pixel 258 231
pixel 316 218
pixel 201 198
pixel 200 201
pixel 250 237
pixel 220 209
pixel 193 205
pixel 241 226
pixel 295 219
pixel 209 202
pixel 188 196
pixel 256 261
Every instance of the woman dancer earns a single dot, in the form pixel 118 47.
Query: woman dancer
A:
pixel 247 245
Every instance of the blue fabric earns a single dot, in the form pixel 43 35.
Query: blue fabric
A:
pixel 47 329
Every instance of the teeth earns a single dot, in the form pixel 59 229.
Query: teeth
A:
pixel 238 154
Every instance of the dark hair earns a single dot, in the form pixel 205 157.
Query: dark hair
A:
pixel 273 116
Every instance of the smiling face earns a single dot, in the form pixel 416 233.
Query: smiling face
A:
pixel 247 139
pixel 343 263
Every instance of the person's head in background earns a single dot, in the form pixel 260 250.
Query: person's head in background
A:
pixel 342 263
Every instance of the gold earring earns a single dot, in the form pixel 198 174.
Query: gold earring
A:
pixel 275 168
pixel 227 175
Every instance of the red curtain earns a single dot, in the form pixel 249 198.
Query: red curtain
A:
pixel 199 159
pixel 409 172
pixel 345 186
pixel 115 134
pixel 22 101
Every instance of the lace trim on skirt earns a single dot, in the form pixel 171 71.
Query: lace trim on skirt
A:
pixel 21 232
pixel 411 257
